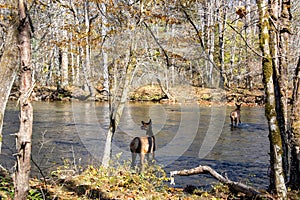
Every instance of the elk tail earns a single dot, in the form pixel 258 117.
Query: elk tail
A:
pixel 135 145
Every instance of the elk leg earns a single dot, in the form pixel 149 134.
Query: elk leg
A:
pixel 142 161
pixel 133 155
pixel 153 159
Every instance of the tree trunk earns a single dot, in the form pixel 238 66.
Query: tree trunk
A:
pixel 279 48
pixel 89 85
pixel 23 137
pixel 116 108
pixel 222 18
pixel 104 49
pixel 63 65
pixel 247 35
pixel 282 77
pixel 295 132
pixel 211 44
pixel 277 182
pixel 232 59
pixel 8 63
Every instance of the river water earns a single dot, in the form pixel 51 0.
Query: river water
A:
pixel 187 135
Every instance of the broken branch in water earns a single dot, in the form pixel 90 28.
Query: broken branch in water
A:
pixel 239 187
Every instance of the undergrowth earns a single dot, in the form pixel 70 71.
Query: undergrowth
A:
pixel 118 181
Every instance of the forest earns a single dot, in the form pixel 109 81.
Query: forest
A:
pixel 117 51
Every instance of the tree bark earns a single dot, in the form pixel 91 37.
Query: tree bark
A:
pixel 295 132
pixel 8 63
pixel 23 137
pixel 236 186
pixel 277 182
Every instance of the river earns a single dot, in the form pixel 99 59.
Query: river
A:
pixel 187 135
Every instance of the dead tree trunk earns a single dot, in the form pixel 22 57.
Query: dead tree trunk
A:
pixel 236 186
pixel 23 137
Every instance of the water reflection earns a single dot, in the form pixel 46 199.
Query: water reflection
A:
pixel 186 135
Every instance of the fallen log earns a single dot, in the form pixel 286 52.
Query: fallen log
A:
pixel 236 186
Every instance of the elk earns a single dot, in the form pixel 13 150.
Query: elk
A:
pixel 143 145
pixel 235 115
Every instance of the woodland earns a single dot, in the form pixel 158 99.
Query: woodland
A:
pixel 117 51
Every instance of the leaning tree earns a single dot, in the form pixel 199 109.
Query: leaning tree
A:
pixel 8 57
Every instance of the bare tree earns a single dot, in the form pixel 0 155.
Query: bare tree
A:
pixel 23 137
pixel 117 104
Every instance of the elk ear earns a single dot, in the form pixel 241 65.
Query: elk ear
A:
pixel 143 122
pixel 149 121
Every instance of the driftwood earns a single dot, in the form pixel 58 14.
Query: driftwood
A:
pixel 236 186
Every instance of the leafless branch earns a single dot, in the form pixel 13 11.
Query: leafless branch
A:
pixel 237 186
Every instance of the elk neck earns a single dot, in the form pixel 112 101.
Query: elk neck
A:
pixel 149 131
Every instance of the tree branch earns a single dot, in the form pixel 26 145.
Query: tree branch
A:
pixel 237 186
pixel 201 41
pixel 245 41
pixel 161 47
pixel 199 37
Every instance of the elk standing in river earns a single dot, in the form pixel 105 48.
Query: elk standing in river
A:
pixel 235 115
pixel 143 145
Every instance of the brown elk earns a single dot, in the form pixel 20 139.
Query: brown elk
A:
pixel 235 115
pixel 143 145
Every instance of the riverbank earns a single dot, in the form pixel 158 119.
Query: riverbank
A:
pixel 180 94
pixel 118 182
